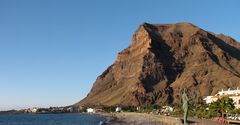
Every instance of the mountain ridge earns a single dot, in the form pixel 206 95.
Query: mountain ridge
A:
pixel 161 60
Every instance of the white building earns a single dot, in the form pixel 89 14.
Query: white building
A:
pixel 167 110
pixel 233 94
pixel 70 109
pixel 34 110
pixel 118 109
pixel 90 110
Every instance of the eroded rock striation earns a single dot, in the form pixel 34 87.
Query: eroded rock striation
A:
pixel 164 59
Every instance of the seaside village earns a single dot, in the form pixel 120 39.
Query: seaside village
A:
pixel 205 110
pixel 227 101
pixel 48 110
pixel 232 94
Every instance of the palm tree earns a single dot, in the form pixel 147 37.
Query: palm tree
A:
pixel 223 105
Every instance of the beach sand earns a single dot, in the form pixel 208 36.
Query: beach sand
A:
pixel 129 118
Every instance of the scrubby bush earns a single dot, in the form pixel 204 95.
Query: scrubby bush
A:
pixel 129 108
pixel 109 108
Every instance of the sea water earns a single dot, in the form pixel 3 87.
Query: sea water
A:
pixel 50 119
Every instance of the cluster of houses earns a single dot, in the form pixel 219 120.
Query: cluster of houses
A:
pixel 233 94
pixel 92 110
pixel 166 110
pixel 30 110
pixel 48 110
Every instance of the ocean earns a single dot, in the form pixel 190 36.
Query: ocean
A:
pixel 50 119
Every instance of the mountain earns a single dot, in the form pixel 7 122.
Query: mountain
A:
pixel 164 59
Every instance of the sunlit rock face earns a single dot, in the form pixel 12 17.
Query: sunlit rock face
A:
pixel 162 60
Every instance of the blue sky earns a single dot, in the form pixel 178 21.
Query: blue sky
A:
pixel 52 51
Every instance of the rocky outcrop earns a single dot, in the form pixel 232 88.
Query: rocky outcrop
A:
pixel 164 59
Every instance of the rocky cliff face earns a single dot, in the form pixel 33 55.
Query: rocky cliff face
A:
pixel 164 59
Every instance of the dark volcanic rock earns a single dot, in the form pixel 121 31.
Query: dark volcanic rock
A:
pixel 164 59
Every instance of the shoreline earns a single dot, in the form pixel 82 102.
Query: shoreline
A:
pixel 127 118
pixel 132 118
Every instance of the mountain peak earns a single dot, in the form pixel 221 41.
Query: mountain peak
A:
pixel 162 60
pixel 184 29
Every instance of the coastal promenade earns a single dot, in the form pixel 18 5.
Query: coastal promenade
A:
pixel 128 118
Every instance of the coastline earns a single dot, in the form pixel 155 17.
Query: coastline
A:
pixel 127 118
pixel 132 118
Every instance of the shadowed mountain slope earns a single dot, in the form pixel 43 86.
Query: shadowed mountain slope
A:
pixel 164 59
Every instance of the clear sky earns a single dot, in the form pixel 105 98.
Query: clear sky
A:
pixel 51 51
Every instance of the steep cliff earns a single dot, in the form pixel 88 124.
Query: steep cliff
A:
pixel 164 59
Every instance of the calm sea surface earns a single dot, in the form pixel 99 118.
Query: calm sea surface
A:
pixel 50 119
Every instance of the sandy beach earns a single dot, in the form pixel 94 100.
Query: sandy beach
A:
pixel 128 118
